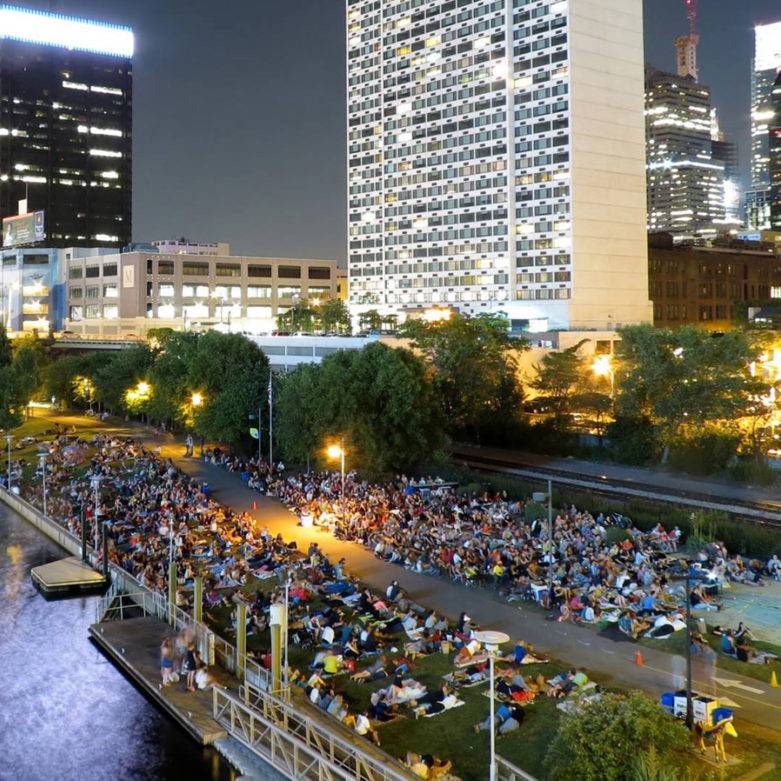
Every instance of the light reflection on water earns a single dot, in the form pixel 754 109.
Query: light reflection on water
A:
pixel 67 712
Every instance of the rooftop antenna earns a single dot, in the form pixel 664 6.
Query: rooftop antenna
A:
pixel 687 44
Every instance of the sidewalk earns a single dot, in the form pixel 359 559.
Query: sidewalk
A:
pixel 610 662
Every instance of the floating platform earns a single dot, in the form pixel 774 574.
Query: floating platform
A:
pixel 67 576
pixel 134 645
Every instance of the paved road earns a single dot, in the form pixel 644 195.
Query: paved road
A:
pixel 641 477
pixel 607 661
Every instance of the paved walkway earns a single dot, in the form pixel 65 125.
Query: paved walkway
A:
pixel 606 660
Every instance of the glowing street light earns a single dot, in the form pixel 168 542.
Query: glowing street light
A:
pixel 437 314
pixel 337 451
pixel 603 367
pixel 143 388
pixel 196 399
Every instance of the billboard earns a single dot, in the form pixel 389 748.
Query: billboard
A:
pixel 23 229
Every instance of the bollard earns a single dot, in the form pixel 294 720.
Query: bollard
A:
pixel 241 640
pixel 276 658
pixel 104 536
pixel 172 593
pixel 198 599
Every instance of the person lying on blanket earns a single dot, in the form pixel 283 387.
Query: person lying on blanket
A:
pixel 507 718
pixel 523 654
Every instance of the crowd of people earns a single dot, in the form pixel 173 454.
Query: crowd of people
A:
pixel 156 515
pixel 582 567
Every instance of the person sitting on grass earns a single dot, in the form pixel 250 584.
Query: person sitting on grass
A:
pixel 363 726
pixel 508 718
pixel 427 766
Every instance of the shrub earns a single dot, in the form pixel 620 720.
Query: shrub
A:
pixel 598 741
pixel 704 452
pixel 633 440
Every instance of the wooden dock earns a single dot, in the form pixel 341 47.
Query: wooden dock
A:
pixel 134 645
pixel 67 576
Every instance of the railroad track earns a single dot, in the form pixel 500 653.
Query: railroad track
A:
pixel 760 512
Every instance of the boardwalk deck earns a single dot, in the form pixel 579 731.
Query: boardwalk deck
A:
pixel 134 644
pixel 67 576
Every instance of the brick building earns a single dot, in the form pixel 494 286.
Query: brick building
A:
pixel 710 286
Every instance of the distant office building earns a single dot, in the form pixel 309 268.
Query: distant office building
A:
pixel 66 127
pixel 685 182
pixel 766 64
pixel 725 152
pixel 711 286
pixel 128 293
pixel 186 247
pixel 774 156
pixel 32 287
pixel 496 159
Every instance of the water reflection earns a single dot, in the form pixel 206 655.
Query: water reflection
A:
pixel 68 713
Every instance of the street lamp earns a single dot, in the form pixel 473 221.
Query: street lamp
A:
pixel 687 579
pixel 9 438
pixel 337 451
pixel 603 367
pixel 492 640
pixel 42 464
pixel 196 399
pixel 95 482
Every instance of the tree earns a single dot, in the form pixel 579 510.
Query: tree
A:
pixel 685 378
pixel 126 369
pixel 333 315
pixel 300 318
pixel 371 320
pixel 231 372
pixel 169 375
pixel 19 379
pixel 599 740
pixel 6 353
pixel 379 400
pixel 558 377
pixel 474 364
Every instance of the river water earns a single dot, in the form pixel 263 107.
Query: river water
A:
pixel 67 712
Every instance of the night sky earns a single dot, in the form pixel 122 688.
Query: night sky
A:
pixel 239 113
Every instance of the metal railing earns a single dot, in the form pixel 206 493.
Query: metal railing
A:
pixel 298 747
pixel 506 771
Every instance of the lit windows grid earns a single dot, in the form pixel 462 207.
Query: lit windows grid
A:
pixel 409 254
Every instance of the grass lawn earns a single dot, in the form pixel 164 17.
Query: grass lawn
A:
pixel 450 735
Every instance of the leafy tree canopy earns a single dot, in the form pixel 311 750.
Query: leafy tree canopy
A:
pixel 474 368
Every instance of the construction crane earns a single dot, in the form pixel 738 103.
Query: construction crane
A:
pixel 691 13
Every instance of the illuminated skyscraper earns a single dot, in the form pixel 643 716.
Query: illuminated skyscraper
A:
pixel 766 64
pixel 66 127
pixel 774 156
pixel 496 159
pixel 685 182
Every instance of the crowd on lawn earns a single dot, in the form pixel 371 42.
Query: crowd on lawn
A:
pixel 583 572
pixel 154 513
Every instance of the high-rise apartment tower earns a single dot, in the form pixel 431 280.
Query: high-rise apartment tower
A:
pixel 496 159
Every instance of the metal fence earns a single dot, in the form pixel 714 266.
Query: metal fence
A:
pixel 296 745
pixel 506 771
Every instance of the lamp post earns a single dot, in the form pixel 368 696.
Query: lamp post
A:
pixel 95 482
pixel 492 640
pixel 603 367
pixel 550 541
pixel 9 438
pixel 687 579
pixel 42 464
pixel 337 451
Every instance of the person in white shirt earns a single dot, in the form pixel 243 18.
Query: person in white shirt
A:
pixel 363 726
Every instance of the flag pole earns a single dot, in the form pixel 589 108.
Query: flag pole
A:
pixel 270 422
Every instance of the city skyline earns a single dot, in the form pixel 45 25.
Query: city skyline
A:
pixel 248 144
